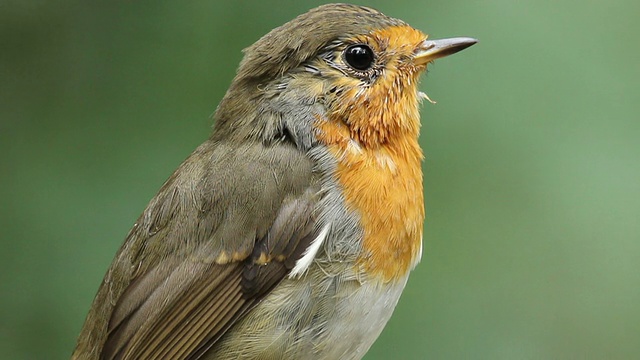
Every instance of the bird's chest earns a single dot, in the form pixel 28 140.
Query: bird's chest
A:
pixel 382 185
pixel 385 190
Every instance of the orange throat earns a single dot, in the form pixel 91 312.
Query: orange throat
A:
pixel 383 185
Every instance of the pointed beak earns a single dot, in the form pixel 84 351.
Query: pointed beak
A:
pixel 430 50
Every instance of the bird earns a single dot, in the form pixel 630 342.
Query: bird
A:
pixel 291 231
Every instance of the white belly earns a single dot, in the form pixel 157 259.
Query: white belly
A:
pixel 313 317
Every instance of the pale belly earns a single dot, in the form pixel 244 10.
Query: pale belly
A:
pixel 313 317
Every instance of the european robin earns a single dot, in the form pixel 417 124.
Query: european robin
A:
pixel 291 231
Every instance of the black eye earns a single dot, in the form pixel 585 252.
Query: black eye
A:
pixel 359 57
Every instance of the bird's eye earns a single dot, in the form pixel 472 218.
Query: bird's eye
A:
pixel 359 57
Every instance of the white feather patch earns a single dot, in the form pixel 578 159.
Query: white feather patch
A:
pixel 418 256
pixel 307 258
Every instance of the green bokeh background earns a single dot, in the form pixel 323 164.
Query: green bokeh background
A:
pixel 532 171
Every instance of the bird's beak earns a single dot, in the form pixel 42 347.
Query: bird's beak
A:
pixel 430 50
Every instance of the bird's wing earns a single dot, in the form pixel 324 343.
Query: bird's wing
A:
pixel 220 234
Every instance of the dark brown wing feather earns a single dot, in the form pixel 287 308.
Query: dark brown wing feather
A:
pixel 220 234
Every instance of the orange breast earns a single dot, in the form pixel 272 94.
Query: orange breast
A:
pixel 384 186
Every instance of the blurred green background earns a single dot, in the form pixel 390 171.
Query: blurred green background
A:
pixel 532 239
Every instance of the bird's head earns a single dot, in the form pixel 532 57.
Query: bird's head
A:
pixel 347 64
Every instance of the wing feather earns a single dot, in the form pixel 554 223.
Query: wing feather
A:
pixel 222 232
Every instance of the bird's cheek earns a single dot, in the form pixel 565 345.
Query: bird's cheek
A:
pixel 351 98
